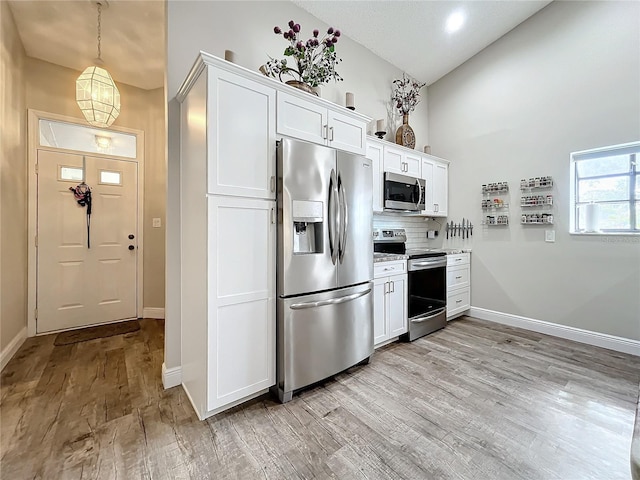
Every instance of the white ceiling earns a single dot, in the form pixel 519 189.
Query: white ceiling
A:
pixel 411 34
pixel 65 33
pixel 408 34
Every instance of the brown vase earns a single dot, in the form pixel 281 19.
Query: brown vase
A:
pixel 404 134
pixel 302 86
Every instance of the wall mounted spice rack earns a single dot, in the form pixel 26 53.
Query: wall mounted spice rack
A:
pixel 535 183
pixel 495 204
pixel 529 201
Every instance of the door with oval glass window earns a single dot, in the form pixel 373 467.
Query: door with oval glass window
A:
pixel 86 265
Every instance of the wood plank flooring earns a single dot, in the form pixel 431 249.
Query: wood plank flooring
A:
pixel 473 401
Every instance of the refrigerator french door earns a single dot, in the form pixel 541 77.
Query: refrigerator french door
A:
pixel 325 269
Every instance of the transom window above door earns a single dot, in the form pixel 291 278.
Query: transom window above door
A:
pixel 86 139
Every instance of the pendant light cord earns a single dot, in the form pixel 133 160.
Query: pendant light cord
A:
pixel 99 30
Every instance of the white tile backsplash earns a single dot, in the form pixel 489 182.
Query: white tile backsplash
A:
pixel 416 228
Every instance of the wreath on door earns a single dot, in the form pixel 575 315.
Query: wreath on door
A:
pixel 82 194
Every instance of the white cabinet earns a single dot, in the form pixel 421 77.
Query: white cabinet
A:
pixel 375 150
pixel 241 298
pixel 402 161
pixel 241 128
pixel 320 122
pixel 390 301
pixel 435 173
pixel 458 284
pixel 228 233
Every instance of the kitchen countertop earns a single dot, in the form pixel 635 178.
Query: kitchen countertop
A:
pixel 454 251
pixel 388 257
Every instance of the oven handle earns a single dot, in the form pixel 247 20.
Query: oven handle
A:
pixel 330 301
pixel 426 264
pixel 424 319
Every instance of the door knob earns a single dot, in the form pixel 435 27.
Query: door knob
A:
pixel 131 236
pixel 131 247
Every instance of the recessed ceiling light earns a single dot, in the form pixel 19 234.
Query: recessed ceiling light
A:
pixel 454 22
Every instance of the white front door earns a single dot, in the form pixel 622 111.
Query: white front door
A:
pixel 78 283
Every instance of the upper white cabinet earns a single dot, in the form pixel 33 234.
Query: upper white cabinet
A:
pixel 435 173
pixel 319 123
pixel 241 125
pixel 375 153
pixel 401 161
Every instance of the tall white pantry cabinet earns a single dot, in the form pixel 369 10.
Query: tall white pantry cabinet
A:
pixel 228 148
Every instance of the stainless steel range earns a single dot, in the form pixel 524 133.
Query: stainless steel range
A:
pixel 427 272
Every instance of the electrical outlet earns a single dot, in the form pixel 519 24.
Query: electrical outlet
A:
pixel 550 236
pixel 157 222
pixel 431 234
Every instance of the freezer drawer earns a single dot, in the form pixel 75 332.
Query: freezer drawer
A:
pixel 322 334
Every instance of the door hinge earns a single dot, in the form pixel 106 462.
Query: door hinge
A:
pixel 36 168
pixel 35 239
pixel 35 313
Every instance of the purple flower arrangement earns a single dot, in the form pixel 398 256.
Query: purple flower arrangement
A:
pixel 312 62
pixel 406 94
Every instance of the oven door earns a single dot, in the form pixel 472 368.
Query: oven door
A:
pixel 427 296
pixel 403 193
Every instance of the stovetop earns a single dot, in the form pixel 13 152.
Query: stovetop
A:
pixel 425 252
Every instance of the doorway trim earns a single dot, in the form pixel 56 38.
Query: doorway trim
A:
pixel 33 131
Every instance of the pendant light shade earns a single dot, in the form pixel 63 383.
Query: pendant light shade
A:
pixel 97 96
pixel 96 92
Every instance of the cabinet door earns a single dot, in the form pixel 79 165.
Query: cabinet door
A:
pixel 393 160
pixel 241 118
pixel 427 176
pixel 347 133
pixel 374 153
pixel 397 298
pixel 301 119
pixel 241 290
pixel 412 163
pixel 441 188
pixel 380 308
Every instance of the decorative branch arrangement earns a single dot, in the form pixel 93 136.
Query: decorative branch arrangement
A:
pixel 312 62
pixel 406 94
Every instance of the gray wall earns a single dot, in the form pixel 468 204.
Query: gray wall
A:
pixel 567 79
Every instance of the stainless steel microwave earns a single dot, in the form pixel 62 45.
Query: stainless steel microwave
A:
pixel 403 193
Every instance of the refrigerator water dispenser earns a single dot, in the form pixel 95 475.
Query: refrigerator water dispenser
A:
pixel 307 227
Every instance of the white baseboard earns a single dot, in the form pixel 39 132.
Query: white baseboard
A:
pixel 12 348
pixel 171 377
pixel 619 344
pixel 153 312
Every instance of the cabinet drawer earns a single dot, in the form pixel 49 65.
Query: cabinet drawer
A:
pixel 384 269
pixel 458 276
pixel 458 301
pixel 454 260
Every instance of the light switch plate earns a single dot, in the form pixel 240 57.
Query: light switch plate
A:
pixel 549 235
pixel 157 222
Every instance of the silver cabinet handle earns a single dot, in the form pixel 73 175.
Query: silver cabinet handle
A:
pixel 436 207
pixel 458 259
pixel 458 301
pixel 273 215
pixel 386 269
pixel 325 130
pixel 393 286
pixel 273 183
pixel 458 277
pixel 331 134
pixel 386 287
pixel 330 301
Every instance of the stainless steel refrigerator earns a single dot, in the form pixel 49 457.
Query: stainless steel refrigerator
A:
pixel 325 263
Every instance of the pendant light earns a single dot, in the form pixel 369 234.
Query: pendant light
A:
pixel 96 93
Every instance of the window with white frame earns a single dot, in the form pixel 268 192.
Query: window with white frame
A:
pixel 605 190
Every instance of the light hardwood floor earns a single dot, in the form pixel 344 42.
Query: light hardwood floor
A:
pixel 473 401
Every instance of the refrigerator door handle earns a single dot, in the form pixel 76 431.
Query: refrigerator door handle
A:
pixel 344 222
pixel 331 301
pixel 332 217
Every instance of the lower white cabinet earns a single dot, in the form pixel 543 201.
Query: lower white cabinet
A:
pixel 458 284
pixel 389 302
